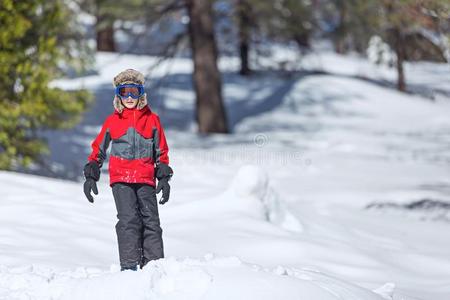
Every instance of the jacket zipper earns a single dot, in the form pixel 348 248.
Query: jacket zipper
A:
pixel 134 134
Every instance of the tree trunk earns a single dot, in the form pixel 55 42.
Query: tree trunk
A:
pixel 210 112
pixel 397 41
pixel 105 39
pixel 243 9
pixel 340 44
pixel 302 40
pixel 104 28
pixel 400 51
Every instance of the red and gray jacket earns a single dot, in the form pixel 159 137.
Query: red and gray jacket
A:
pixel 138 144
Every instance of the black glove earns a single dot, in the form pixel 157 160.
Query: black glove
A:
pixel 163 184
pixel 89 185
pixel 163 173
pixel 92 175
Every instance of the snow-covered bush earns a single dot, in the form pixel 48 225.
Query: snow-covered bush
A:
pixel 379 52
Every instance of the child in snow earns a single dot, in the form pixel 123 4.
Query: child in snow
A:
pixel 139 153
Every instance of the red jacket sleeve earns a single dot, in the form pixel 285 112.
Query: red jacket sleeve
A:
pixel 161 147
pixel 100 145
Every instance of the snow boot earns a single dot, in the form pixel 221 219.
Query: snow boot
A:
pixel 131 268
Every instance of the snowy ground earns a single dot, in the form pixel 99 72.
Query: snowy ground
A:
pixel 277 210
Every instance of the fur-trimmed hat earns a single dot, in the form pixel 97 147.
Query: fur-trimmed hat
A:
pixel 126 77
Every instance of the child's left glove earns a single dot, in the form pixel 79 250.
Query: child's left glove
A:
pixel 92 175
pixel 163 173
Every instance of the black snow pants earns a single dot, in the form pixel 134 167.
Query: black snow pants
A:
pixel 139 233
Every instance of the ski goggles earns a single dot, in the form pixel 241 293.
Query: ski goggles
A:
pixel 130 90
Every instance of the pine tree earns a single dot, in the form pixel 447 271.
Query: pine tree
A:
pixel 351 22
pixel 107 12
pixel 396 22
pixel 282 21
pixel 292 20
pixel 210 112
pixel 32 47
pixel 400 19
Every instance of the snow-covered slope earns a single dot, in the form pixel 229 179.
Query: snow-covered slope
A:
pixel 209 278
pixel 60 230
pixel 276 210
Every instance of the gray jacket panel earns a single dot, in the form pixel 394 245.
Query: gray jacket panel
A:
pixel 132 145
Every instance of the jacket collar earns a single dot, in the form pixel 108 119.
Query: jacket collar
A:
pixel 127 113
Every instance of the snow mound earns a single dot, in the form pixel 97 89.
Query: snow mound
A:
pixel 211 277
pixel 386 291
pixel 251 187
